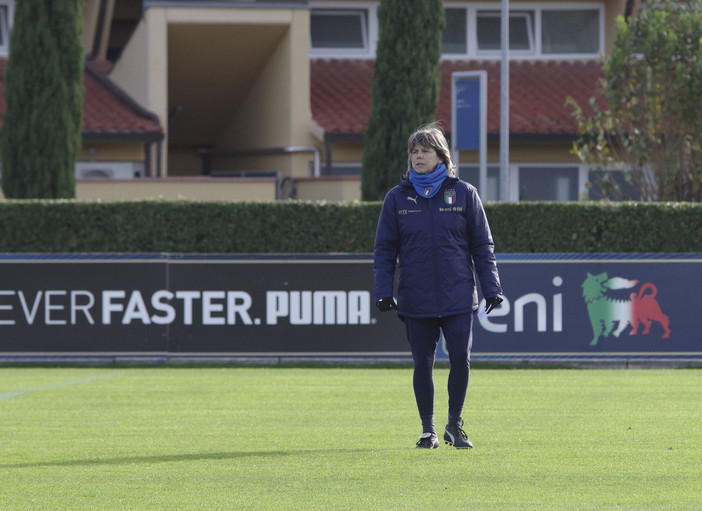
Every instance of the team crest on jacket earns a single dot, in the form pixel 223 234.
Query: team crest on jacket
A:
pixel 450 196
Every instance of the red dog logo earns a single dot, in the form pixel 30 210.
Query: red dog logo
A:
pixel 645 308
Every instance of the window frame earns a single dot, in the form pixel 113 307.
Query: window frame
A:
pixel 571 7
pixel 535 35
pixel 369 31
pixel 10 8
pixel 342 168
pixel 626 191
pixel 465 32
pixel 472 9
pixel 581 174
pixel 521 13
pixel 581 171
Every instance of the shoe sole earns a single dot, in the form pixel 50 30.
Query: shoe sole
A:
pixel 464 447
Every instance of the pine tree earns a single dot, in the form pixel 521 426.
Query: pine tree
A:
pixel 41 133
pixel 405 88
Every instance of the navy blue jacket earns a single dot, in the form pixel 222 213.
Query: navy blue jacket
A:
pixel 439 243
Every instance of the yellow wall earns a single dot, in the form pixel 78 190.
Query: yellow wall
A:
pixel 112 151
pixel 176 189
pixel 276 112
pixel 338 189
pixel 335 189
pixel 271 114
pixel 141 70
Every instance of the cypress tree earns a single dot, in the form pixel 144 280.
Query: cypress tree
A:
pixel 405 88
pixel 41 133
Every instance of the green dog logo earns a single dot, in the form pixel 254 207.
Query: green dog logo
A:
pixel 606 313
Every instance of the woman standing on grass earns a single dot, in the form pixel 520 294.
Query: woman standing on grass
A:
pixel 434 227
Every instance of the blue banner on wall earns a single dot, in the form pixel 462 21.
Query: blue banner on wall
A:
pixel 467 114
pixel 555 304
pixel 594 304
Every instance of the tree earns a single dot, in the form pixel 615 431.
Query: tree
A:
pixel 651 125
pixel 41 132
pixel 405 88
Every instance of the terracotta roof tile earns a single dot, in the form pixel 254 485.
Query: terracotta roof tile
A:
pixel 106 109
pixel 341 96
pixel 341 93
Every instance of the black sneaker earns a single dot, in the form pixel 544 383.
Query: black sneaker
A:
pixel 455 436
pixel 428 441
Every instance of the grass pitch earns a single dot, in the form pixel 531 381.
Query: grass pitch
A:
pixel 343 438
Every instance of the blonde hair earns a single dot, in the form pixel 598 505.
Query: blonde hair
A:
pixel 431 135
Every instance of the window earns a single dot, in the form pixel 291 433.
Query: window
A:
pixel 339 29
pixel 6 14
pixel 548 183
pixel 343 29
pixel 612 185
pixel 341 169
pixel 546 30
pixel 562 182
pixel 454 37
pixel 570 31
pixel 536 30
pixel 471 174
pixel 489 31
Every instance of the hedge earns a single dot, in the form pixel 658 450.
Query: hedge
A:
pixel 318 227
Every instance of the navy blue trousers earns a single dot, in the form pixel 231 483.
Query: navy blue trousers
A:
pixel 423 336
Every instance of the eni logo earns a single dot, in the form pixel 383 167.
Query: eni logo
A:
pixel 612 316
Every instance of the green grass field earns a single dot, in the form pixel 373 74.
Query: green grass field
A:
pixel 343 438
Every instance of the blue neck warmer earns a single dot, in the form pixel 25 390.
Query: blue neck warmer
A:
pixel 427 185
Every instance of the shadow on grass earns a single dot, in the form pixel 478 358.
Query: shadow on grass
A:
pixel 174 458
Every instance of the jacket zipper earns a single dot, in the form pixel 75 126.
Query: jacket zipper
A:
pixel 432 214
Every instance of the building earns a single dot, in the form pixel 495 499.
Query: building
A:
pixel 270 99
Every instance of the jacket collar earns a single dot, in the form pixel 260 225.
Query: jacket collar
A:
pixel 406 183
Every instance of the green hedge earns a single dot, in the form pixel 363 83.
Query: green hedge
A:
pixel 306 227
pixel 592 227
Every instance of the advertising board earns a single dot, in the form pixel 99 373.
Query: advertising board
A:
pixel 560 304
pixel 590 304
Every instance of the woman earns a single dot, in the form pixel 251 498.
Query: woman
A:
pixel 434 227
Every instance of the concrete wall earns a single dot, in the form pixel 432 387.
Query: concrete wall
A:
pixel 344 189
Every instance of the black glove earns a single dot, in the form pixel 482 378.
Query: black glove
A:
pixel 491 303
pixel 386 304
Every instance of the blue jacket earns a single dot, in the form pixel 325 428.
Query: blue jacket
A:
pixel 438 244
